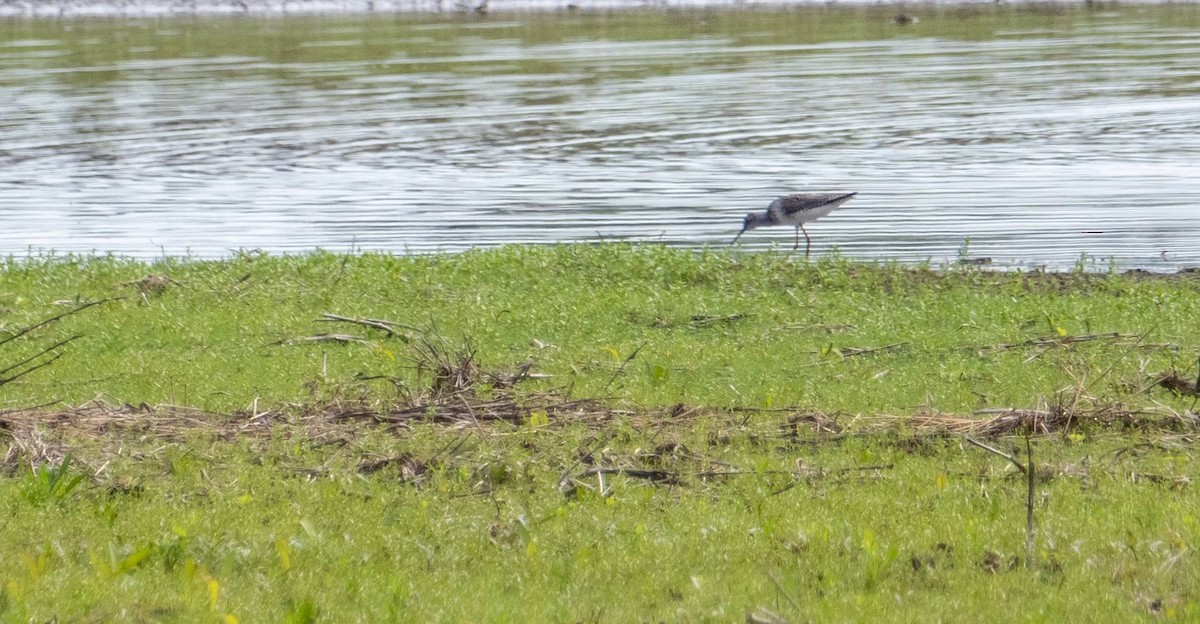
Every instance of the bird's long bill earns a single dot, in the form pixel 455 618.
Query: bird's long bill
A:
pixel 735 238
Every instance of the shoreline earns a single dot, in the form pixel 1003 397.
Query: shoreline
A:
pixel 483 9
pixel 701 317
pixel 1087 266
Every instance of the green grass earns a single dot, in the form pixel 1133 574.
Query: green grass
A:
pixel 488 536
pixel 209 341
pixel 477 523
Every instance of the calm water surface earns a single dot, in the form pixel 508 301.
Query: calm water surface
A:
pixel 1039 137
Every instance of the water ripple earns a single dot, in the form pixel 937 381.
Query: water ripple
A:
pixel 1039 146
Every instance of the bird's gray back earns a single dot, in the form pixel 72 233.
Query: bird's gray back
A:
pixel 804 202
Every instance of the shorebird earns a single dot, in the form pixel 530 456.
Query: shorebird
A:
pixel 795 210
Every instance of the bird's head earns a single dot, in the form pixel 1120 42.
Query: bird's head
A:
pixel 752 220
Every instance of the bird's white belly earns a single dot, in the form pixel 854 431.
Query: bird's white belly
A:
pixel 805 216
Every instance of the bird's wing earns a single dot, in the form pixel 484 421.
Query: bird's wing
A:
pixel 790 204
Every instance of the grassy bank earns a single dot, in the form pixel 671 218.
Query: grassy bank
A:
pixel 592 433
pixel 710 329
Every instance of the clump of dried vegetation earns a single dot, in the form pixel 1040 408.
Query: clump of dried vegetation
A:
pixel 457 392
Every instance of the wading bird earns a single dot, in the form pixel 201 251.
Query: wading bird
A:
pixel 795 210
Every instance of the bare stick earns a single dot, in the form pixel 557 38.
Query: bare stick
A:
pixel 34 357
pixel 1058 341
pixel 649 475
pixel 380 324
pixel 701 320
pixel 996 451
pixel 621 368
pixel 1031 479
pixel 30 370
pixel 853 351
pixel 783 592
pixel 342 338
pixel 1031 483
pixel 79 308
pixel 563 478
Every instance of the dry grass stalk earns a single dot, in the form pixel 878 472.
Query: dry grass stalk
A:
pixel 45 435
pixel 391 328
pixel 47 355
pixel 1050 342
pixel 339 338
